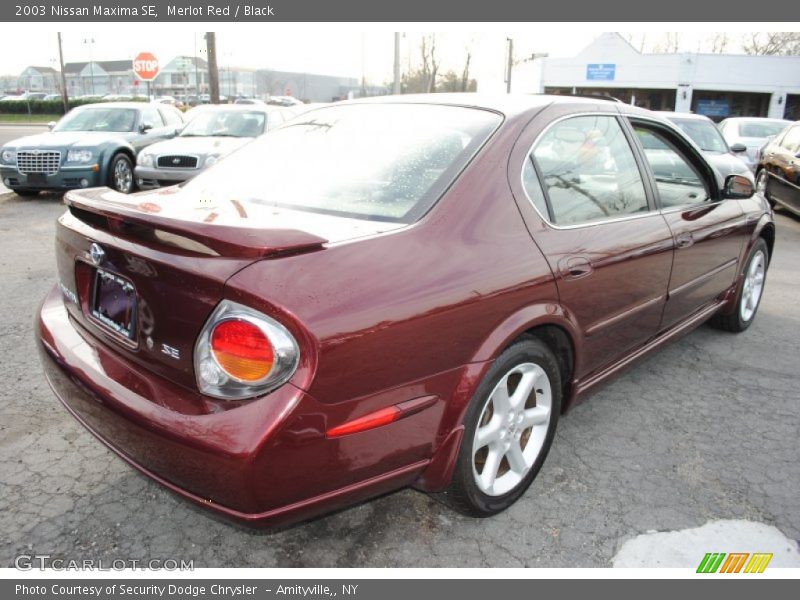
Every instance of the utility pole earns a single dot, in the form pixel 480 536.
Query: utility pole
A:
pixel 90 41
pixel 213 71
pixel 396 63
pixel 64 96
pixel 510 64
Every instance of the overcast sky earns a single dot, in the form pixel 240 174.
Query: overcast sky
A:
pixel 327 49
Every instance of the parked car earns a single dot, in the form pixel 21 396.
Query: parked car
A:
pixel 249 101
pixel 752 133
pixel 90 146
pixel 213 132
pixel 778 173
pixel 703 132
pixel 283 101
pixel 390 292
pixel 50 97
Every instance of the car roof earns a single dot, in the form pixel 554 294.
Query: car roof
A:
pixel 508 104
pixel 771 120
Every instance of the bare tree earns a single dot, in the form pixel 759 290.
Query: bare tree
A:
pixel 670 43
pixel 637 40
pixel 465 72
pixel 772 42
pixel 719 43
pixel 430 66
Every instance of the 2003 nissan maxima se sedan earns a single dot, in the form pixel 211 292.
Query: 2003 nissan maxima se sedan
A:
pixel 379 294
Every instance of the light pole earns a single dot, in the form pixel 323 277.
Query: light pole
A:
pixel 64 94
pixel 510 64
pixel 396 89
pixel 90 42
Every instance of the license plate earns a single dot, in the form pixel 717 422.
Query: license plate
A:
pixel 114 303
pixel 37 178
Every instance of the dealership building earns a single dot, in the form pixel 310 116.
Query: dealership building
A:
pixel 715 85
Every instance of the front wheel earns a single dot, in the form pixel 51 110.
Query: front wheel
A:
pixel 750 292
pixel 121 173
pixel 509 427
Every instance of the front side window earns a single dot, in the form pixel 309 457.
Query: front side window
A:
pixel 383 161
pixel 151 117
pixel 171 116
pixel 587 170
pixel 677 181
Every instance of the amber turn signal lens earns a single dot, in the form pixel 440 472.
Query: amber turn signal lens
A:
pixel 242 350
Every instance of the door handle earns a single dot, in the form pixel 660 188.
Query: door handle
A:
pixel 575 267
pixel 684 239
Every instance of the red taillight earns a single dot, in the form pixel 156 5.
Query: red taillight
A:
pixel 242 350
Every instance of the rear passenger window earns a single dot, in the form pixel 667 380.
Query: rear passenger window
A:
pixel 588 172
pixel 677 180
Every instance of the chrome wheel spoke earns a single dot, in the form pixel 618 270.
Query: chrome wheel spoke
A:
pixel 524 388
pixel 516 459
pixel 487 434
pixel 490 468
pixel 538 415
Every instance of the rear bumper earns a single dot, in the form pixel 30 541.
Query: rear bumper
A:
pixel 65 179
pixel 265 463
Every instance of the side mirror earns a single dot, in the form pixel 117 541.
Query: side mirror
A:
pixel 145 127
pixel 738 187
pixel 739 147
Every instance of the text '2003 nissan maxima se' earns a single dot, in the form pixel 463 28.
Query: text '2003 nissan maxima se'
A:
pixel 391 293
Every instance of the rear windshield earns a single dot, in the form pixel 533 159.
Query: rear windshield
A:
pixel 386 162
pixel 761 129
pixel 703 133
pixel 231 123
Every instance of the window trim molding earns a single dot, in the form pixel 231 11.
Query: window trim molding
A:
pixel 645 177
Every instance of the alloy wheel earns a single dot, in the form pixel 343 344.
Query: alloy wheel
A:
pixel 123 176
pixel 753 286
pixel 512 429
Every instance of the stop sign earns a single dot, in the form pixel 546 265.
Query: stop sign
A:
pixel 145 65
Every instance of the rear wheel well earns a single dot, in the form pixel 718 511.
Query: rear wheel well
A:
pixel 560 344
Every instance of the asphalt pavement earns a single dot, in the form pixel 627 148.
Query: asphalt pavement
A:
pixel 706 429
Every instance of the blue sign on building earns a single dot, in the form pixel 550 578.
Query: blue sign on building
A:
pixel 601 72
pixel 713 108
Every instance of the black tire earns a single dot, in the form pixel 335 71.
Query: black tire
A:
pixel 27 193
pixel 121 160
pixel 463 494
pixel 735 322
pixel 762 185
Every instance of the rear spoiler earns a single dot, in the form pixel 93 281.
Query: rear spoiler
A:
pixel 125 218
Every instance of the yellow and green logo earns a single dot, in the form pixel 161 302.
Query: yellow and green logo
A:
pixel 734 562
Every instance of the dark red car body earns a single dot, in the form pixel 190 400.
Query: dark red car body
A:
pixel 412 318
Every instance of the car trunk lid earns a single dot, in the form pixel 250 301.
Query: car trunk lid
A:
pixel 131 261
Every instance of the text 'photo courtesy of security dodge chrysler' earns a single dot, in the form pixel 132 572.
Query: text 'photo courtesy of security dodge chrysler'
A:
pixel 389 293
